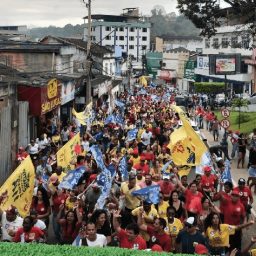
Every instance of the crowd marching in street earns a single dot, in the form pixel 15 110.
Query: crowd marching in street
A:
pixel 128 190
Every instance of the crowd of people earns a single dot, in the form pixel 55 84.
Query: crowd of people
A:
pixel 204 214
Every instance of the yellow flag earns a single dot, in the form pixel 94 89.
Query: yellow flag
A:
pixel 186 146
pixel 19 187
pixel 143 81
pixel 68 152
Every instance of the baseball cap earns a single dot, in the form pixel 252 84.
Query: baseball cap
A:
pixel 201 249
pixel 235 193
pixel 241 181
pixel 190 221
pixel 218 159
pixel 207 168
pixel 166 176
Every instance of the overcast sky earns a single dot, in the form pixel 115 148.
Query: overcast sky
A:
pixel 58 13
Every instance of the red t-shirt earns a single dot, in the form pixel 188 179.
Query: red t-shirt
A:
pixel 57 200
pixel 144 168
pixel 40 208
pixel 245 194
pixel 193 201
pixel 163 240
pixel 234 213
pixel 166 187
pixel 138 243
pixel 208 182
pixel 33 235
pixel 149 156
pixel 224 199
pixel 69 232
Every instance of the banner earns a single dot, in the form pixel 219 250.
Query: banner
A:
pixel 67 152
pixel 83 116
pixel 72 178
pixel 19 187
pixel 149 194
pixel 186 146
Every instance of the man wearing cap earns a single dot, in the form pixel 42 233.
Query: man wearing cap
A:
pixel 10 223
pixel 245 195
pixel 130 202
pixel 234 214
pixel 188 236
pixel 166 185
pixel 208 181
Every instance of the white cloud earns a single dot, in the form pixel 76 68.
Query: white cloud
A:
pixel 59 13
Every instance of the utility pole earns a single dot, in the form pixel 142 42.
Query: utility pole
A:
pixel 129 72
pixel 88 57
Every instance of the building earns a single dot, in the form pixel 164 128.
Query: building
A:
pixel 231 38
pixel 127 31
pixel 167 43
pixel 17 33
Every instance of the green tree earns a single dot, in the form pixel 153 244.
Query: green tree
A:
pixel 206 14
pixel 209 87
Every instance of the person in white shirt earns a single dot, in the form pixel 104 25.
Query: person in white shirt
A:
pixel 90 238
pixel 10 222
pixel 146 137
pixel 38 223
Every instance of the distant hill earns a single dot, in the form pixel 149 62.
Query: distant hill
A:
pixel 162 24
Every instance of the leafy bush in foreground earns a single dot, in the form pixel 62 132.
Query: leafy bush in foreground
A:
pixel 18 249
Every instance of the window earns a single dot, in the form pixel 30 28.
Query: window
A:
pixel 108 38
pixel 215 43
pixel 144 38
pixel 144 29
pixel 234 42
pixel 131 47
pixel 93 38
pixel 131 38
pixel 107 28
pixel 131 29
pixel 207 43
pixel 121 29
pixel 245 41
pixel 224 42
pixel 92 28
pixel 121 38
pixel 144 47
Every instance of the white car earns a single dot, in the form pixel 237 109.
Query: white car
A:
pixel 252 98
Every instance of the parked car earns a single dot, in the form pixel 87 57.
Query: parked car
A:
pixel 219 100
pixel 252 98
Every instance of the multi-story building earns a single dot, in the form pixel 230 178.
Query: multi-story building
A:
pixel 128 31
pixel 18 33
pixel 231 38
pixel 167 43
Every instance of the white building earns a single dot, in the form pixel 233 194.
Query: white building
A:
pixel 126 30
pixel 228 40
pixel 167 43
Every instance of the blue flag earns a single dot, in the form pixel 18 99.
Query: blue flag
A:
pixel 119 120
pixel 149 194
pixel 72 178
pixel 132 134
pixel 120 104
pixel 110 119
pixel 97 155
pixel 226 175
pixel 98 136
pixel 123 168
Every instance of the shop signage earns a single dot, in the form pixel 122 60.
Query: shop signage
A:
pixel 189 70
pixel 50 96
pixel 67 91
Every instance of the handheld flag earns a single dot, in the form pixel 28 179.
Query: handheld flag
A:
pixel 149 194
pixel 123 168
pixel 72 178
pixel 164 168
pixel 226 175
pixel 186 146
pixel 132 134
pixel 18 188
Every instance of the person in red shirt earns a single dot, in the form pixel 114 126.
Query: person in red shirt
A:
pixel 234 214
pixel 224 197
pixel 142 166
pixel 166 186
pixel 157 233
pixel 148 154
pixel 245 195
pixel 21 155
pixel 128 238
pixel 208 181
pixel 28 233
